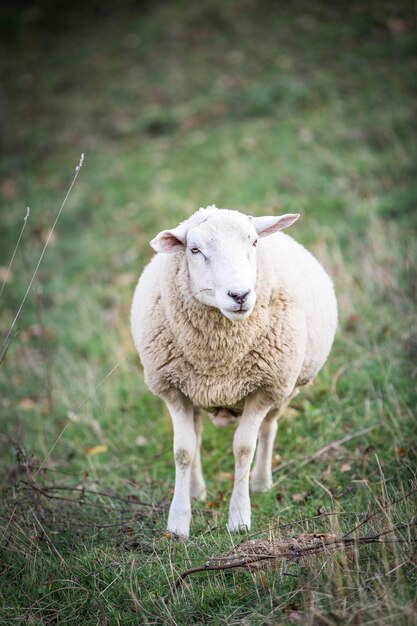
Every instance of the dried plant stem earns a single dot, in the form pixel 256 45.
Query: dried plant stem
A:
pixel 386 506
pixel 25 219
pixel 77 171
pixel 77 408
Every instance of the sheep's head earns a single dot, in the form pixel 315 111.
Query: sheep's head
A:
pixel 220 246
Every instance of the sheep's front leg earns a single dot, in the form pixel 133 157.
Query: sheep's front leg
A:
pixel 244 443
pixel 185 443
pixel 197 486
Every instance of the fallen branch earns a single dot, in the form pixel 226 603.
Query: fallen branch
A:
pixel 252 555
pixel 47 489
pixel 69 508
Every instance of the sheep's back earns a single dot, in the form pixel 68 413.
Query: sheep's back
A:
pixel 305 279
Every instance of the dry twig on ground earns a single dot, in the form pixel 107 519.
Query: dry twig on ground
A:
pixel 254 555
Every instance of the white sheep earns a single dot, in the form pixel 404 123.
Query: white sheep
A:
pixel 234 321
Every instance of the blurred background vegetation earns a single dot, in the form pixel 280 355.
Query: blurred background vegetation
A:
pixel 256 105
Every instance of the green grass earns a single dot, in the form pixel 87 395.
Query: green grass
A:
pixel 264 107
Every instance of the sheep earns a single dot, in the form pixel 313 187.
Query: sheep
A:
pixel 230 316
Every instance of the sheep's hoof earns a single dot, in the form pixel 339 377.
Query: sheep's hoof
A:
pixel 260 485
pixel 238 522
pixel 239 514
pixel 238 527
pixel 198 492
pixel 179 530
pixel 179 525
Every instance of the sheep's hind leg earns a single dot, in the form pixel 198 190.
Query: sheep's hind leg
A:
pixel 185 444
pixel 261 479
pixel 197 485
pixel 244 443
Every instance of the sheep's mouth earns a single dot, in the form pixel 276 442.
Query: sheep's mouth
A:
pixel 237 314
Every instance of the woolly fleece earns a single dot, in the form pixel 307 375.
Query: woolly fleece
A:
pixel 215 362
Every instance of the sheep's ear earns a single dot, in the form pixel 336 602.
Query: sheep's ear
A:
pixel 269 224
pixel 169 240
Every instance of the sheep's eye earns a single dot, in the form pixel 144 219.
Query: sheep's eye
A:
pixel 255 243
pixel 194 250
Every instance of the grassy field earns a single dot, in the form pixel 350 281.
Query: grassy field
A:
pixel 260 106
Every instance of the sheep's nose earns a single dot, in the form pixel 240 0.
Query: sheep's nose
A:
pixel 238 296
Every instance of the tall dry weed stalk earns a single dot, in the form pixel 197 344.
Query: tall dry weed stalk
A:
pixel 5 344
